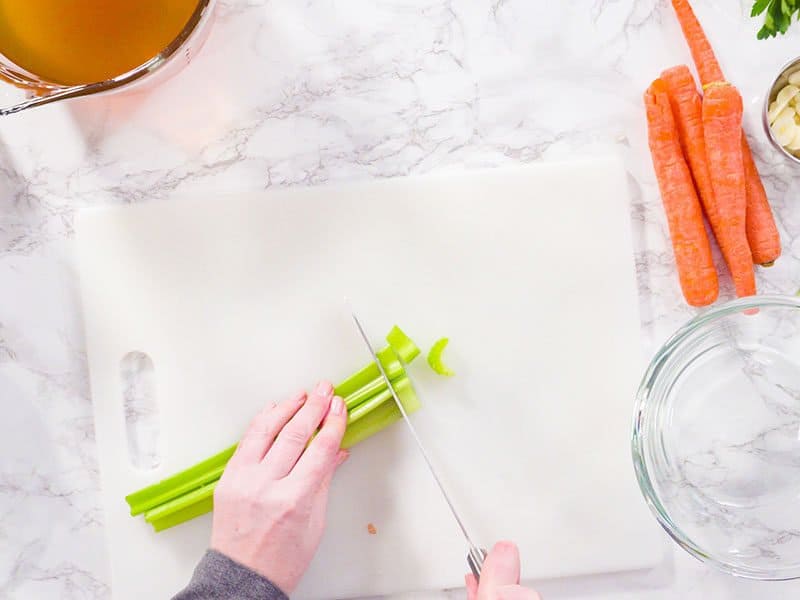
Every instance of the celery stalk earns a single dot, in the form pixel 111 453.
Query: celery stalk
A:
pixel 384 415
pixel 368 391
pixel 200 507
pixel 361 424
pixel 370 373
pixel 211 469
pixel 190 479
pixel 365 408
pixel 180 503
pixel 189 493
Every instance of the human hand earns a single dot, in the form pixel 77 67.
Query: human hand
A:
pixel 270 504
pixel 500 577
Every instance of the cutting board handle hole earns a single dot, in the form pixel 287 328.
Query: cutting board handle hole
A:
pixel 141 410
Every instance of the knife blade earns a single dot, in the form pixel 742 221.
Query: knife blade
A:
pixel 476 555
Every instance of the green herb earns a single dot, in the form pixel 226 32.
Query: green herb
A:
pixel 778 16
pixel 435 358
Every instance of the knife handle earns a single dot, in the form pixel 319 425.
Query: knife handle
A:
pixel 475 560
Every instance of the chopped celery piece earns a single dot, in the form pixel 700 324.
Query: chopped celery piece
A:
pixel 384 415
pixel 435 358
pixel 402 345
pixel 172 487
pixel 370 373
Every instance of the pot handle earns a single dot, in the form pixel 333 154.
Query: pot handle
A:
pixel 52 95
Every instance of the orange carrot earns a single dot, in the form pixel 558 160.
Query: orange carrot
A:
pixel 703 55
pixel 762 233
pixel 722 128
pixel 690 243
pixel 687 109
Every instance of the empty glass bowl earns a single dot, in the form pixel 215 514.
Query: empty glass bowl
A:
pixel 716 438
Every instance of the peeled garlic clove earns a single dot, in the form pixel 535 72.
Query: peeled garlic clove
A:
pixel 794 145
pixel 786 94
pixel 794 78
pixel 773 111
pixel 784 127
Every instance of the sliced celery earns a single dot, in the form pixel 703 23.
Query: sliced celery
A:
pixel 398 341
pixel 435 358
pixel 172 487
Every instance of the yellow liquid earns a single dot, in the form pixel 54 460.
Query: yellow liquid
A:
pixel 84 41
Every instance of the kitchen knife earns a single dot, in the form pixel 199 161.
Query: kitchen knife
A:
pixel 476 555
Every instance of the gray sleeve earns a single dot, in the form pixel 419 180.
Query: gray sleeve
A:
pixel 217 577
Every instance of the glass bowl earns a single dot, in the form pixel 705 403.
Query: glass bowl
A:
pixel 716 437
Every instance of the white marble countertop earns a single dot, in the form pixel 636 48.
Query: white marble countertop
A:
pixel 298 93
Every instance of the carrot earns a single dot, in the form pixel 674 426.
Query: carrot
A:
pixel 702 54
pixel 690 243
pixel 762 233
pixel 722 128
pixel 687 109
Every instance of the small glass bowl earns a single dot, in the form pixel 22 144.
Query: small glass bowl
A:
pixel 716 437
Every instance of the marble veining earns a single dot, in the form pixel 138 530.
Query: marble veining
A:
pixel 291 93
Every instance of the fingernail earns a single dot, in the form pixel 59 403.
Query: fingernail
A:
pixel 324 389
pixel 300 398
pixel 337 406
pixel 342 457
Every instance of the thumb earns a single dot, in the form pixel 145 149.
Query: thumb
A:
pixel 500 569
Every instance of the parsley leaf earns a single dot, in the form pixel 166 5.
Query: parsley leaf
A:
pixel 778 15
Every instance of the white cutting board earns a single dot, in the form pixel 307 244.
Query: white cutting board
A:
pixel 239 299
